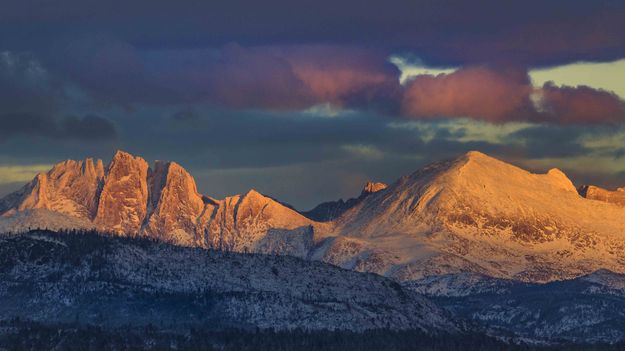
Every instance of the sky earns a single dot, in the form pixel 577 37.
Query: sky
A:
pixel 306 101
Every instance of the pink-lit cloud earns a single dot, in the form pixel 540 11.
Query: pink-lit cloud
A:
pixel 503 95
pixel 580 105
pixel 299 76
pixel 477 92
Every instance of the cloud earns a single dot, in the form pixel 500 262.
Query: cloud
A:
pixel 454 32
pixel 13 124
pixel 542 141
pixel 242 77
pixel 606 75
pixel 89 127
pixel 344 76
pixel 276 78
pixel 478 92
pixel 581 105
pixel 109 69
pixel 298 77
pixel 287 77
pixel 296 157
pixel 496 94
pixel 32 102
pixel 25 85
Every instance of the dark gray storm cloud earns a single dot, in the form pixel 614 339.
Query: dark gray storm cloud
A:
pixel 32 100
pixel 89 127
pixel 25 85
pixel 442 32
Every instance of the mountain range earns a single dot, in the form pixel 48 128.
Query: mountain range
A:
pixel 470 243
pixel 471 214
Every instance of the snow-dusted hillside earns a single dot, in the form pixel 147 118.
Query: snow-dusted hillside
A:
pixel 111 281
pixel 590 308
pixel 474 214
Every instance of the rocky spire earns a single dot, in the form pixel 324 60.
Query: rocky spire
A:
pixel 175 204
pixel 122 205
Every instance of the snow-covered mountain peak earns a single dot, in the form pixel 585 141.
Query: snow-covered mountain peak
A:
pixel 478 214
pixel 483 175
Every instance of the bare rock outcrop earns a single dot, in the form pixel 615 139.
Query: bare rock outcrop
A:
pixel 596 193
